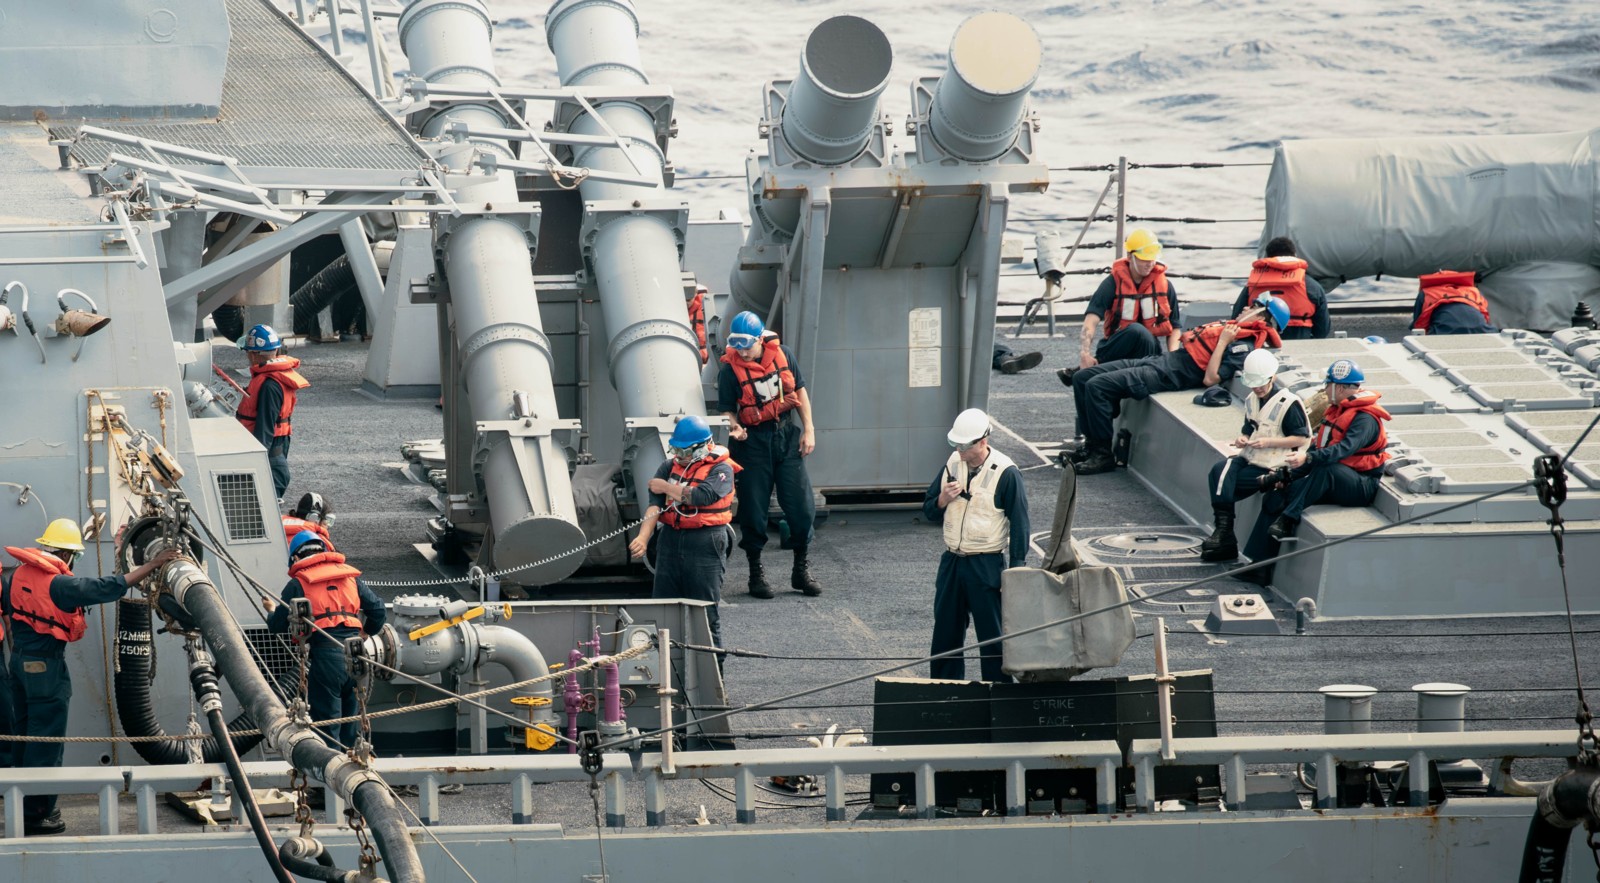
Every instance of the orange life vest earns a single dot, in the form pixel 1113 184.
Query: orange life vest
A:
pixel 697 321
pixel 766 386
pixel 1336 422
pixel 281 369
pixel 293 526
pixel 30 596
pixel 1145 303
pixel 1284 277
pixel 330 586
pixel 1201 342
pixel 721 512
pixel 1449 287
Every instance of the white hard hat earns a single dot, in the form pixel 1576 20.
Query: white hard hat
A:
pixel 1259 368
pixel 971 425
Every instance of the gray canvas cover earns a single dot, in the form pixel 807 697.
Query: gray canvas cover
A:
pixel 1539 295
pixel 1030 596
pixel 1360 207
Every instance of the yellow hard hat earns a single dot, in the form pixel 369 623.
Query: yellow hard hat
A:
pixel 62 534
pixel 1142 244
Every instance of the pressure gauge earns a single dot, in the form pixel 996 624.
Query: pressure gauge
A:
pixel 638 639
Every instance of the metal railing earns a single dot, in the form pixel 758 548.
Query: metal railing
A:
pixel 831 766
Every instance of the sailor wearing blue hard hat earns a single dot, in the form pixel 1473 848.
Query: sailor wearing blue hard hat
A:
pixel 1205 356
pixel 340 606
pixel 689 517
pixel 1342 468
pixel 760 390
pixel 268 404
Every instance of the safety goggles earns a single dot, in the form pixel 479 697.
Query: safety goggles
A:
pixel 690 454
pixel 742 341
pixel 967 446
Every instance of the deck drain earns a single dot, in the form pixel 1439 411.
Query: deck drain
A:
pixel 1146 546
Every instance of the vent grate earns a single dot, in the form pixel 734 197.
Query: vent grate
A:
pixel 241 508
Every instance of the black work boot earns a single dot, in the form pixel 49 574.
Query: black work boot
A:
pixel 1065 376
pixel 44 826
pixel 1221 545
pixel 758 577
pixel 1099 459
pixel 1283 528
pixel 1019 362
pixel 800 578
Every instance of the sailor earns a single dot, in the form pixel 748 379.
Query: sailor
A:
pixel 691 498
pixel 1448 302
pixel 1274 425
pixel 979 499
pixel 760 390
pixel 1282 274
pixel 1345 461
pixel 697 319
pixel 342 607
pixel 1138 306
pixel 1008 361
pixel 312 513
pixel 1210 355
pixel 44 612
pixel 267 407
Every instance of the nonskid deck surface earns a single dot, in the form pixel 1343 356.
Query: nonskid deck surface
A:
pixel 879 573
pixel 878 569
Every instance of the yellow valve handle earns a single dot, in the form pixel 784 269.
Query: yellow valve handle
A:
pixel 533 701
pixel 540 737
pixel 420 633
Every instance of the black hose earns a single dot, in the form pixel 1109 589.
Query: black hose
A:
pixel 131 685
pixel 306 751
pixel 320 291
pixel 308 858
pixel 204 678
pixel 1562 806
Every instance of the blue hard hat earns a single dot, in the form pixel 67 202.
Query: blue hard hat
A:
pixel 1345 371
pixel 745 330
pixel 261 339
pixel 301 539
pixel 1278 309
pixel 1375 338
pixel 690 431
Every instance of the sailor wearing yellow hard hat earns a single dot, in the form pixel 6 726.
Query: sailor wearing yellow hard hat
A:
pixel 44 608
pixel 1136 306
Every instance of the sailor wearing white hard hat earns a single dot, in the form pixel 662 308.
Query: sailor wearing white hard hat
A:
pixel 978 498
pixel 1275 424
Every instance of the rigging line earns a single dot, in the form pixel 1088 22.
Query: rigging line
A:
pixel 810 691
pixel 453 697
pixel 599 836
pixel 1552 493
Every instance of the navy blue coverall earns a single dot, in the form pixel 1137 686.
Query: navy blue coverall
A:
pixel 41 687
pixel 690 563
pixel 770 455
pixel 269 404
pixel 1453 318
pixel 1098 391
pixel 1322 479
pixel 330 688
pixel 968 586
pixel 1131 340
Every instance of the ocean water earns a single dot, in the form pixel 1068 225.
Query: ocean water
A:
pixel 1178 81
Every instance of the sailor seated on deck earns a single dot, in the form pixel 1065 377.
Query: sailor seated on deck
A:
pixel 1282 274
pixel 1449 303
pixel 1138 306
pixel 1275 426
pixel 1342 468
pixel 1208 355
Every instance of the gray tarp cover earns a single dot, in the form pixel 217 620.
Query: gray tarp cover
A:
pixel 1407 206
